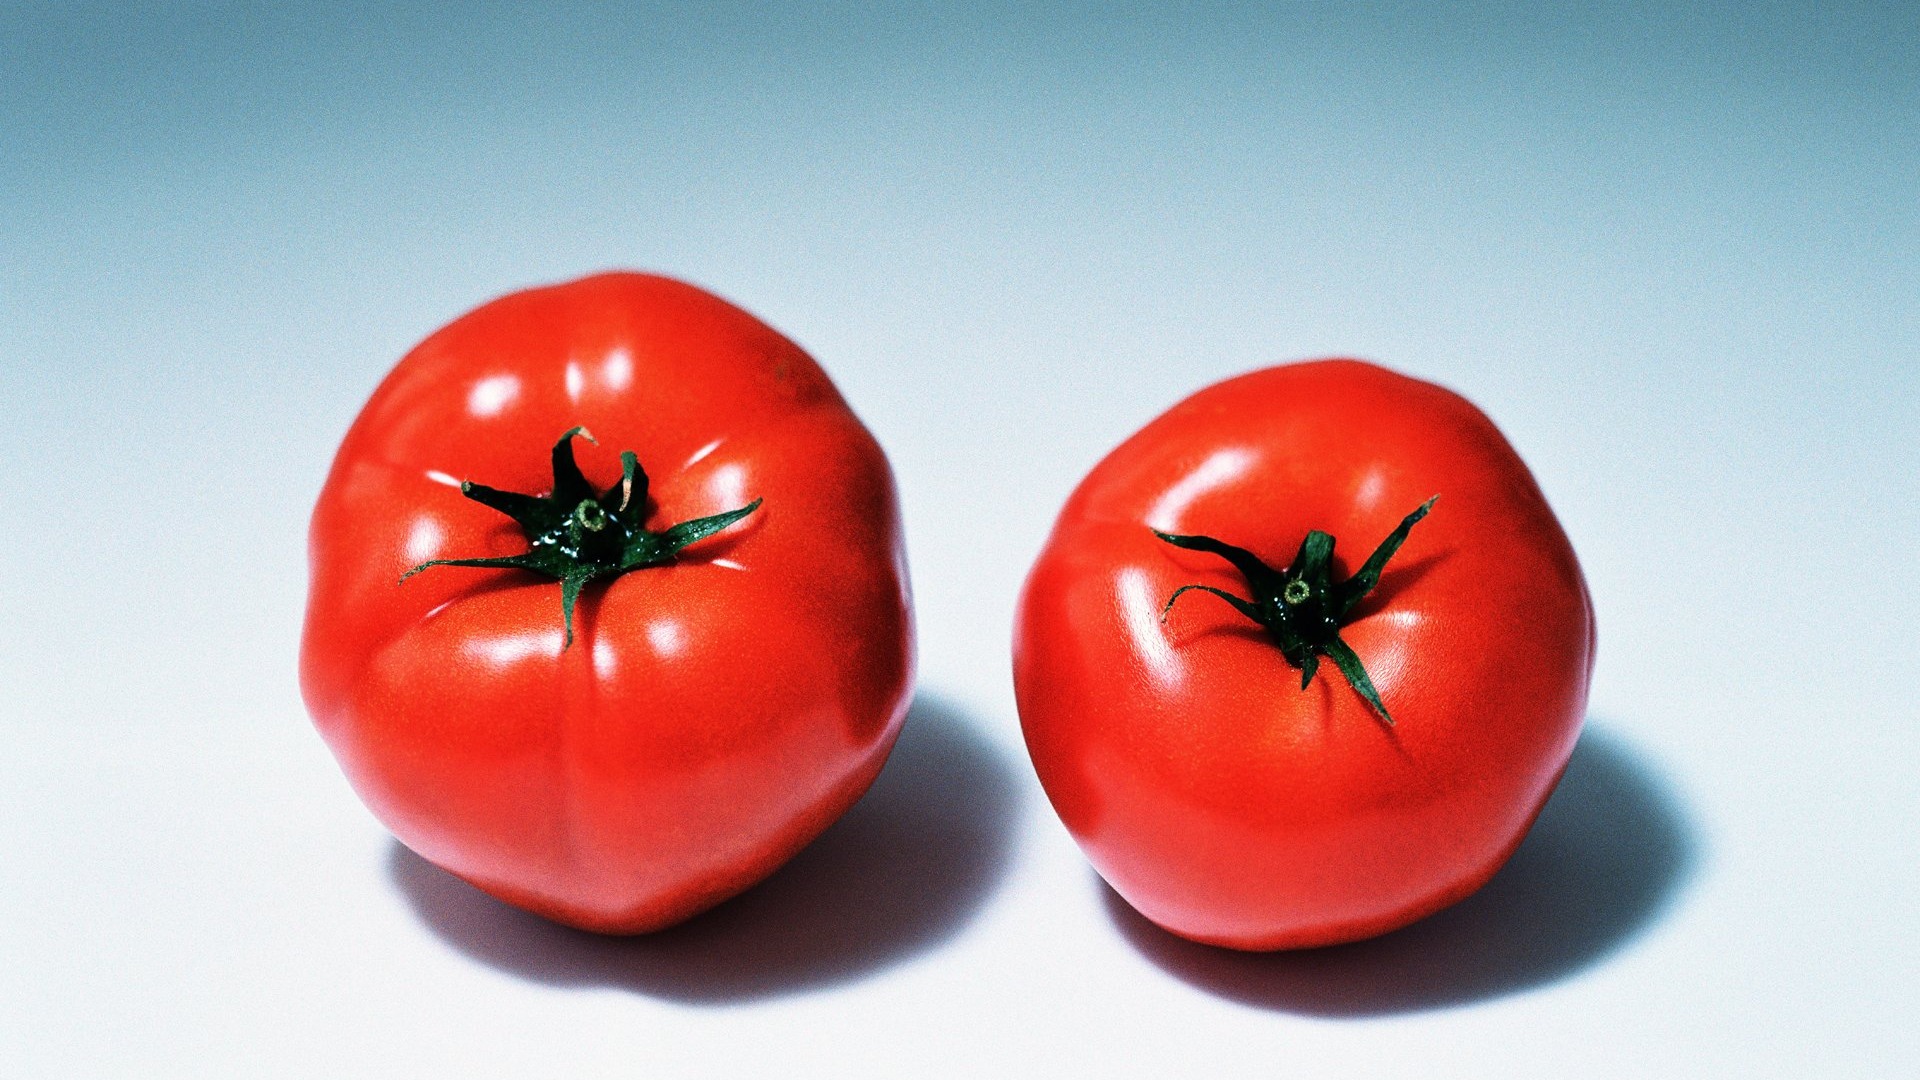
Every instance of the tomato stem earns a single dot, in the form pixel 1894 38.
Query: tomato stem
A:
pixel 1301 606
pixel 577 535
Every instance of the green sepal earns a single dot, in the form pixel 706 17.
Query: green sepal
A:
pixel 1301 606
pixel 1256 572
pixel 1245 607
pixel 1314 560
pixel 1349 663
pixel 577 535
pixel 632 488
pixel 1365 578
pixel 569 484
pixel 534 513
pixel 570 587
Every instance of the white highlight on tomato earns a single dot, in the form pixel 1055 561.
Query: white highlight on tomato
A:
pixel 701 454
pixel 1140 612
pixel 424 540
pixel 1221 468
pixel 666 637
pixel 727 488
pixel 576 381
pixel 617 369
pixel 492 394
pixel 439 477
pixel 503 651
pixel 605 662
pixel 1373 487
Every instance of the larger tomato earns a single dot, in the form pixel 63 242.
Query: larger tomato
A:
pixel 1226 781
pixel 624 687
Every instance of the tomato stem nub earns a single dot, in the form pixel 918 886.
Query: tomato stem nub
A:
pixel 577 535
pixel 1301 606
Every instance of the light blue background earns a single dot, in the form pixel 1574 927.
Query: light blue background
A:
pixel 1671 252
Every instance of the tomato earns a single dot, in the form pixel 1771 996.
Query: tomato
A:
pixel 613 689
pixel 1225 782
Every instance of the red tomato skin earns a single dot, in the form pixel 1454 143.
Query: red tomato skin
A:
pixel 1219 799
pixel 711 716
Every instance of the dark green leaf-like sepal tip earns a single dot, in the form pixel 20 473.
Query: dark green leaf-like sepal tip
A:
pixel 577 535
pixel 1301 606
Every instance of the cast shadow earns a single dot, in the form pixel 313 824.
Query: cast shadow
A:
pixel 1606 858
pixel 901 873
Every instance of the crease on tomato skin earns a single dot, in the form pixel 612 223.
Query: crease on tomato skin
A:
pixel 580 681
pixel 715 883
pixel 800 746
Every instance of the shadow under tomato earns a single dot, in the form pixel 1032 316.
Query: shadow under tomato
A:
pixel 903 871
pixel 1606 858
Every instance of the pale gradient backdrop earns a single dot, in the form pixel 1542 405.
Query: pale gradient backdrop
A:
pixel 1671 252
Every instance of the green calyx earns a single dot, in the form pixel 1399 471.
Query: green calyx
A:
pixel 577 536
pixel 1301 606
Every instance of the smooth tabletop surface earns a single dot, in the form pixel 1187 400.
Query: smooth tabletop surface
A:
pixel 1671 254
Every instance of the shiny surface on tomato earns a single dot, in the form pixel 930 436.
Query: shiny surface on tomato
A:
pixel 712 715
pixel 1220 799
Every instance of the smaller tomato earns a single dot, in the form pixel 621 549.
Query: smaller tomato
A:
pixel 1216 784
